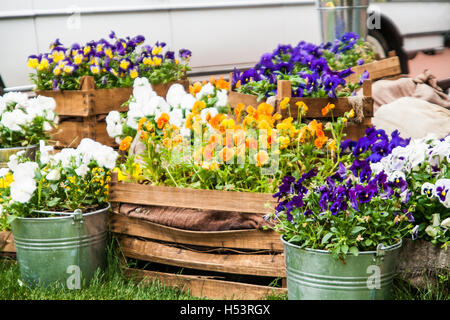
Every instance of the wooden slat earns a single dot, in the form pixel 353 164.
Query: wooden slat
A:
pixel 271 265
pixel 315 106
pixel 239 239
pixel 89 101
pixel 70 133
pixel 247 99
pixel 7 242
pixel 377 69
pixel 191 198
pixel 201 286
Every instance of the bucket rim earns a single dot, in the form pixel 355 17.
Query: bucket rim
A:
pixel 68 216
pixel 20 148
pixel 320 251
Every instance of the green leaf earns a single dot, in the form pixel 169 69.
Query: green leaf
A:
pixel 344 248
pixel 11 218
pixel 53 202
pixel 327 237
pixel 357 229
pixel 354 250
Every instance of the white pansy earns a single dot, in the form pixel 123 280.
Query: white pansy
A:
pixel 50 115
pixel 53 175
pixel 133 117
pixel 16 97
pixel 113 124
pixel 22 190
pixel 47 126
pixel 158 104
pixel 211 111
pixel 142 90
pixel 440 151
pixel 176 117
pixel 3 172
pixel 25 170
pixel 445 223
pixel 68 157
pixel 185 132
pixel 428 189
pixel 14 119
pixel 175 94
pixel 47 103
pixel 106 157
pixel 82 170
pixel 12 163
pixel 34 108
pixel 2 105
pixel 188 101
pixel 376 167
pixel 396 176
pixel 44 152
pixel 222 97
pixel 206 90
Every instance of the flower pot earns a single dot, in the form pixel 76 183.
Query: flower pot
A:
pixel 67 249
pixel 316 275
pixel 5 153
pixel 344 16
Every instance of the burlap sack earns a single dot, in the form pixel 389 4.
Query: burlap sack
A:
pixel 423 87
pixel 413 118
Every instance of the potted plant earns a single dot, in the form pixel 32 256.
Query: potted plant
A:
pixel 57 208
pixel 342 228
pixel 23 123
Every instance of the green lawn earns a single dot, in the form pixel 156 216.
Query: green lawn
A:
pixel 113 284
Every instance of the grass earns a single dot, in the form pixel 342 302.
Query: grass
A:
pixel 114 285
pixel 109 285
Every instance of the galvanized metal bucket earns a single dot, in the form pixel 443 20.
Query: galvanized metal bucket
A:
pixel 316 275
pixel 341 17
pixel 5 153
pixel 67 249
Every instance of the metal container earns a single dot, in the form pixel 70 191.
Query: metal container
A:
pixel 341 17
pixel 5 153
pixel 317 275
pixel 67 249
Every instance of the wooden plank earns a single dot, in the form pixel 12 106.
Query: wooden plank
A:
pixel 271 265
pixel 89 101
pixel 7 242
pixel 69 133
pixel 377 69
pixel 251 202
pixel 355 131
pixel 201 286
pixel 315 106
pixel 234 98
pixel 251 239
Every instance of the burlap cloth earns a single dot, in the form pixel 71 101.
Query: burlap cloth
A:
pixel 413 118
pixel 193 219
pixel 423 87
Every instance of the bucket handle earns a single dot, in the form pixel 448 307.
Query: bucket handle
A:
pixel 77 216
pixel 379 255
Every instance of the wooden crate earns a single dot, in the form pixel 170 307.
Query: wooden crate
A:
pixel 7 242
pixel 82 112
pixel 378 69
pixel 257 253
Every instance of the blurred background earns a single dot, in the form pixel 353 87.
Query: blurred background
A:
pixel 222 34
